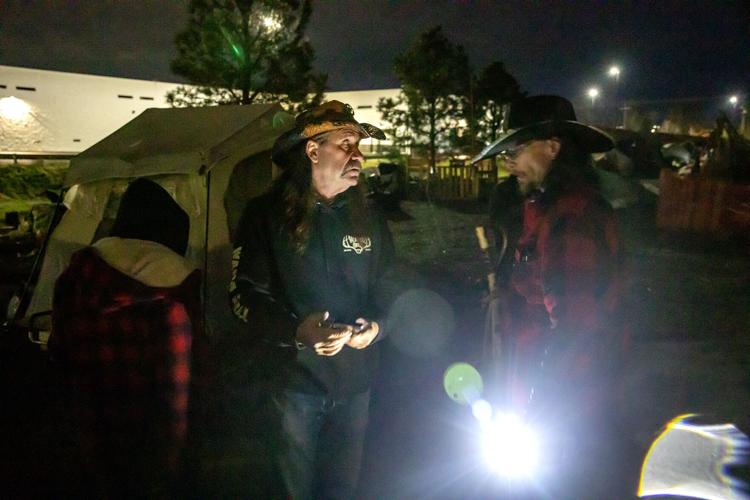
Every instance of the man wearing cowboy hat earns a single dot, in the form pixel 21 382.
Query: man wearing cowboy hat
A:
pixel 562 284
pixel 309 258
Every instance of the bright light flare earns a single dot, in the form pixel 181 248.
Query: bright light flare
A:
pixel 593 93
pixel 733 100
pixel 271 23
pixel 614 71
pixel 482 411
pixel 14 109
pixel 510 447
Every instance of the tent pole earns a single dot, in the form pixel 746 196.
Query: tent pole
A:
pixel 205 252
pixel 24 298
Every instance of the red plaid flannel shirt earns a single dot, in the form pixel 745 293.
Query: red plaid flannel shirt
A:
pixel 566 281
pixel 126 349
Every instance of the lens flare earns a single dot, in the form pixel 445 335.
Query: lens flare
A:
pixel 510 447
pixel 482 410
pixel 425 323
pixel 691 459
pixel 463 383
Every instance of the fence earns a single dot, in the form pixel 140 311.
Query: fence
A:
pixel 457 180
pixel 703 205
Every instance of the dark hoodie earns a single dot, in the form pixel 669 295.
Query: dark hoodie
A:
pixel 274 287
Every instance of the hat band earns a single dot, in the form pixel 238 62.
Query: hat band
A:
pixel 313 129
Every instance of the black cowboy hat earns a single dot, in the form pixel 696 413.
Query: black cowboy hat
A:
pixel 327 117
pixel 544 116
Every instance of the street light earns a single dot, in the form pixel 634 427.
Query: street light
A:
pixel 593 93
pixel 614 72
pixel 734 101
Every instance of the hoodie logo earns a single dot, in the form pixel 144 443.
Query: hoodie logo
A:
pixel 357 244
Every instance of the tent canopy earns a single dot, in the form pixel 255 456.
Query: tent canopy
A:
pixel 211 161
pixel 178 141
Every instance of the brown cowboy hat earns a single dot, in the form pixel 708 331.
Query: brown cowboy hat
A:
pixel 544 116
pixel 327 117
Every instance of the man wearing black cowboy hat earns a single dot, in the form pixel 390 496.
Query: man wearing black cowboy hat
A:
pixel 309 260
pixel 562 284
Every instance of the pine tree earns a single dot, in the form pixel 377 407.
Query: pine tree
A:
pixel 246 51
pixel 492 90
pixel 434 75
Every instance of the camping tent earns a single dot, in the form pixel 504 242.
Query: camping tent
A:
pixel 211 160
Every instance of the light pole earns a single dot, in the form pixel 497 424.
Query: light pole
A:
pixel 593 93
pixel 614 73
pixel 734 102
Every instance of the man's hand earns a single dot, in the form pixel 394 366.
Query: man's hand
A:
pixel 326 341
pixel 367 331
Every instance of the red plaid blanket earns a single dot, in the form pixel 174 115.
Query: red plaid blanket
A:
pixel 126 349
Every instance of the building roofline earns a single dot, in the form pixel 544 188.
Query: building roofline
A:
pixel 37 155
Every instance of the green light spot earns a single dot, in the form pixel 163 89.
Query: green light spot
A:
pixel 463 383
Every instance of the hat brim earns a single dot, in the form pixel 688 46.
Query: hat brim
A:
pixel 292 138
pixel 590 139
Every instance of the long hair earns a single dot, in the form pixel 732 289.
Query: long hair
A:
pixel 573 167
pixel 296 197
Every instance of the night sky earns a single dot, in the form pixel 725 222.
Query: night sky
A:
pixel 666 49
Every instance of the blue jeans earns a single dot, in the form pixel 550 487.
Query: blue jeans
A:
pixel 322 441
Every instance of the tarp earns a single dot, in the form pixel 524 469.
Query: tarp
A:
pixel 178 141
pixel 211 160
pixel 617 190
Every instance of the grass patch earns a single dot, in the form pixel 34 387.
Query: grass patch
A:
pixel 22 186
pixel 26 182
pixel 20 205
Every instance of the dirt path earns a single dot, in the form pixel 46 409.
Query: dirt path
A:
pixel 690 312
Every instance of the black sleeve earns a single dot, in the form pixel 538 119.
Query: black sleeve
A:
pixel 255 295
pixel 386 285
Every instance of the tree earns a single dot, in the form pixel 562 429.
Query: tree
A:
pixel 245 51
pixel 434 75
pixel 492 90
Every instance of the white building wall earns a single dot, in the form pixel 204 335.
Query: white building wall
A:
pixel 364 103
pixel 55 112
pixel 68 112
